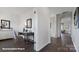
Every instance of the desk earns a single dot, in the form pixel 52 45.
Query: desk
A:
pixel 27 34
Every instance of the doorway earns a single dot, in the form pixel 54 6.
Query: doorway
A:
pixel 60 30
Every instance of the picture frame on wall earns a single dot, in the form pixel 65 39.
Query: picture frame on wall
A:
pixel 29 23
pixel 5 24
pixel 76 17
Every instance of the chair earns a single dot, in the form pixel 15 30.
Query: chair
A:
pixel 17 37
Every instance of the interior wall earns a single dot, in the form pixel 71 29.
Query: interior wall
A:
pixel 13 19
pixel 17 17
pixel 53 26
pixel 23 17
pixel 43 28
pixel 58 30
pixel 56 26
pixel 75 34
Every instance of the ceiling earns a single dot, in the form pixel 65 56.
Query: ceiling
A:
pixel 21 10
pixel 57 10
pixel 15 10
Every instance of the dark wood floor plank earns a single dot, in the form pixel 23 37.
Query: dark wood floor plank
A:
pixel 54 46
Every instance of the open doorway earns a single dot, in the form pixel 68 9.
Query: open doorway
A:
pixel 60 30
pixel 66 27
pixel 66 22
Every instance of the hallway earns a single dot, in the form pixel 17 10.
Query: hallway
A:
pixel 57 45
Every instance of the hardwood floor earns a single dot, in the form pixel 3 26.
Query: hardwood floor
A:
pixel 58 46
pixel 18 46
pixel 55 46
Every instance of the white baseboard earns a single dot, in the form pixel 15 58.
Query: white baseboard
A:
pixel 75 46
pixel 42 47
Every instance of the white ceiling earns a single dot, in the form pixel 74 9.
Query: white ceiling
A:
pixel 21 10
pixel 15 10
pixel 57 10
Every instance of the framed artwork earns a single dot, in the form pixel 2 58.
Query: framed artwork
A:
pixel 76 17
pixel 5 24
pixel 29 23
